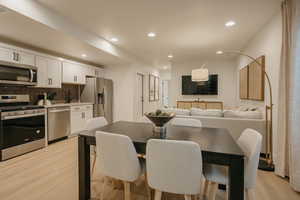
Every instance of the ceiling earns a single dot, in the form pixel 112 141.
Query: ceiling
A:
pixel 43 38
pixel 188 29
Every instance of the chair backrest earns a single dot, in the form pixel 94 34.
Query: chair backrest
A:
pixel 96 122
pixel 186 122
pixel 117 156
pixel 250 142
pixel 174 166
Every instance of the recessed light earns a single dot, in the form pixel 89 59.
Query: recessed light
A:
pixel 170 56
pixel 219 52
pixel 114 39
pixel 230 23
pixel 83 55
pixel 151 34
pixel 61 59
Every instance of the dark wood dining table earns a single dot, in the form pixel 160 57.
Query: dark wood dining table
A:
pixel 217 146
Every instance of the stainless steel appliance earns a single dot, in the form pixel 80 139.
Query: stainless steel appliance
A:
pixel 16 74
pixel 58 123
pixel 22 126
pixel 99 91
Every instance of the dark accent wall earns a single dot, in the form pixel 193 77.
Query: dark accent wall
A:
pixel 61 94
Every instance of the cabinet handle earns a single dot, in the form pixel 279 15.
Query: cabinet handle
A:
pixel 74 78
pixel 14 56
pixel 18 57
pixel 50 81
pixel 83 115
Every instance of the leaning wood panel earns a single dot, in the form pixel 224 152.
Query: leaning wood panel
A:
pixel 244 87
pixel 214 105
pixel 257 80
pixel 184 105
pixel 200 105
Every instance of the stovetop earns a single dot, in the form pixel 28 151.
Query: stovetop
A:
pixel 19 107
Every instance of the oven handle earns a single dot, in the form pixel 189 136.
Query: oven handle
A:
pixel 21 116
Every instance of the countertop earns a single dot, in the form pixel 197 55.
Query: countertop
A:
pixel 68 104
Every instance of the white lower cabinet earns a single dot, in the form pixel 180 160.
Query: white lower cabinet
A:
pixel 79 117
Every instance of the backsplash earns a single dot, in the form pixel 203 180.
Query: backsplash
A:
pixel 61 93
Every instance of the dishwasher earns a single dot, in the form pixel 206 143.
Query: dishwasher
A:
pixel 58 123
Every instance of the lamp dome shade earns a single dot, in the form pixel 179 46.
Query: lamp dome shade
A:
pixel 200 75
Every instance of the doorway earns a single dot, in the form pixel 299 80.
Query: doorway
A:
pixel 165 93
pixel 140 96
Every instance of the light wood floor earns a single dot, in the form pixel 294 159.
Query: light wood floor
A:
pixel 51 174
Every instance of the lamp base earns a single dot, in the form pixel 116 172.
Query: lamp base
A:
pixel 266 166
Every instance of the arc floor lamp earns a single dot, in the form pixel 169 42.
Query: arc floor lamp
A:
pixel 267 162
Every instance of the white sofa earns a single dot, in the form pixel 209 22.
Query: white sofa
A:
pixel 234 125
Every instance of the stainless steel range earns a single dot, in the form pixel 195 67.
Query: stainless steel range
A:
pixel 22 126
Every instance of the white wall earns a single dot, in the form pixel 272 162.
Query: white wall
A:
pixel 125 89
pixel 227 81
pixel 266 42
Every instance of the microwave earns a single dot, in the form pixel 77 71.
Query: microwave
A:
pixel 17 74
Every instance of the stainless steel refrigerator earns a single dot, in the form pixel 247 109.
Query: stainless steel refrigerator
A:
pixel 99 91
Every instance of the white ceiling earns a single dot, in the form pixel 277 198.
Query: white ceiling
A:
pixel 189 29
pixel 20 29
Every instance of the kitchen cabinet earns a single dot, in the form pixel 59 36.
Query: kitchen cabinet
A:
pixel 73 73
pixel 6 54
pixel 90 71
pixel 79 117
pixel 49 72
pixel 99 72
pixel 16 56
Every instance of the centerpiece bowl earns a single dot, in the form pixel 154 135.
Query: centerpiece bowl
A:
pixel 159 119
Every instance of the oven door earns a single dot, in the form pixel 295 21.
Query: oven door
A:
pixel 21 134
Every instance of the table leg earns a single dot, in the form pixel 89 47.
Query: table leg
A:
pixel 236 179
pixel 84 169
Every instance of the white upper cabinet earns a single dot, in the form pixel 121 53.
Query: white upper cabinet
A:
pixel 90 71
pixel 15 56
pixel 99 72
pixel 25 58
pixel 73 73
pixel 49 72
pixel 6 54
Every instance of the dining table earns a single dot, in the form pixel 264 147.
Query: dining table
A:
pixel 217 146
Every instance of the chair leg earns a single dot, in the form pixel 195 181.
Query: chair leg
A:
pixel 103 189
pixel 127 195
pixel 158 195
pixel 205 187
pixel 213 191
pixel 187 197
pixel 250 195
pixel 149 192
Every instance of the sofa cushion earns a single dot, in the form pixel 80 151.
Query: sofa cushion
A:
pixel 243 114
pixel 208 112
pixel 177 111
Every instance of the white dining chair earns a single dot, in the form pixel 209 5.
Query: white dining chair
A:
pixel 174 167
pixel 250 142
pixel 118 159
pixel 186 122
pixel 94 123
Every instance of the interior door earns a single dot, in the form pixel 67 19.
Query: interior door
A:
pixel 165 93
pixel 140 96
